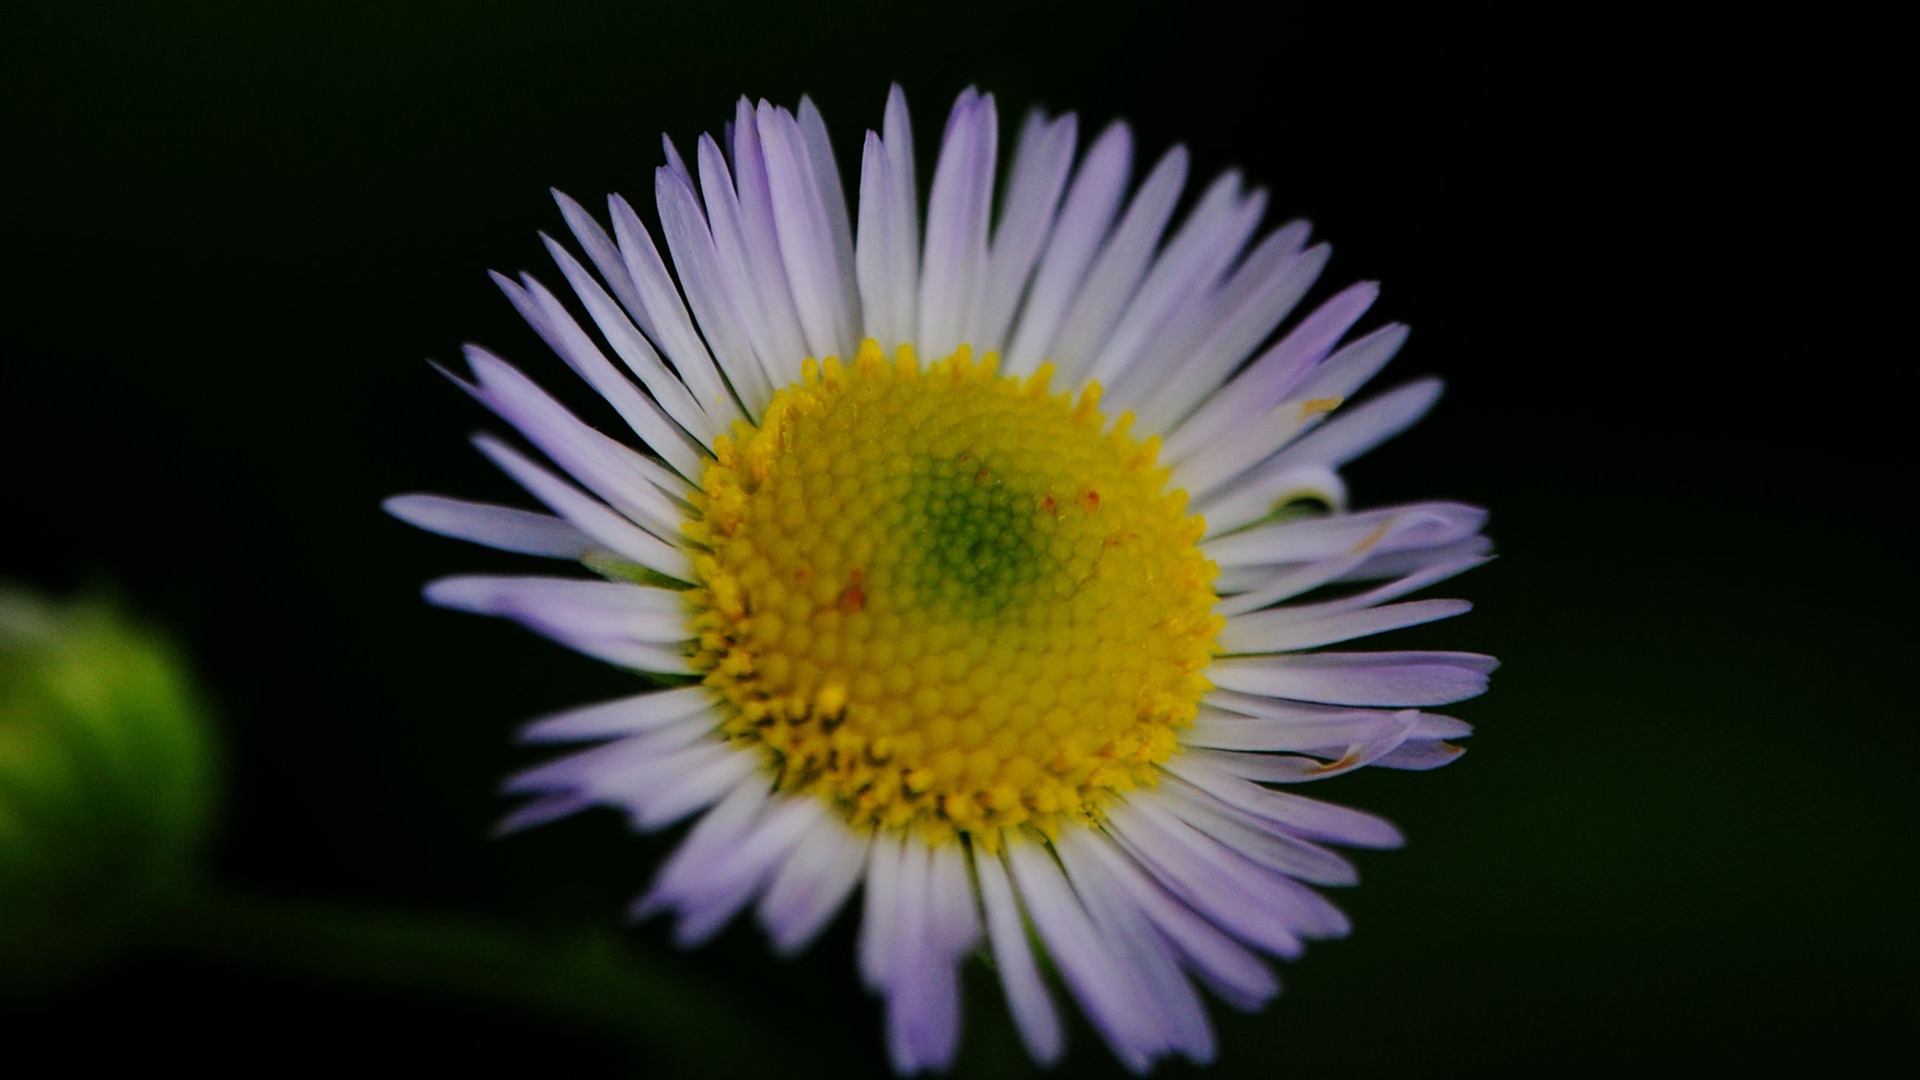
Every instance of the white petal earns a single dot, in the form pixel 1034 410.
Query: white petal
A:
pixel 1083 960
pixel 1226 966
pixel 1111 283
pixel 1358 430
pixel 664 317
pixel 541 811
pixel 718 300
pixel 896 240
pixel 879 221
pixel 1385 678
pixel 589 607
pixel 1265 490
pixel 750 256
pixel 767 269
pixel 878 928
pixel 1273 376
pixel 501 527
pixel 1409 565
pixel 634 715
pixel 1420 756
pixel 1208 339
pixel 813 886
pixel 1208 470
pixel 607 528
pixel 607 468
pixel 1294 581
pixel 634 350
pixel 1280 899
pixel 693 785
pixel 603 253
pixel 631 773
pixel 954 265
pixel 1085 215
pixel 939 925
pixel 1224 887
pixel 1193 261
pixel 809 249
pixel 1273 848
pixel 1309 819
pixel 710 901
pixel 826 181
pixel 1289 726
pixel 1294 769
pixel 544 312
pixel 718 832
pixel 1142 953
pixel 1428 524
pixel 611 626
pixel 1283 629
pixel 1040 167
pixel 1028 1001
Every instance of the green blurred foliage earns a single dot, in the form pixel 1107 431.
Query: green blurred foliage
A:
pixel 107 781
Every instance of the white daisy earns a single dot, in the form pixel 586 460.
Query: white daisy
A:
pixel 987 612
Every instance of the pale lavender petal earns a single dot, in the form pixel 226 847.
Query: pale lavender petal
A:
pixel 1085 216
pixel 813 886
pixel 833 195
pixel 1292 726
pixel 1265 490
pixel 879 919
pixel 1031 1006
pixel 608 468
pixel 1429 524
pixel 1284 629
pixel 1385 678
pixel 954 265
pixel 1198 254
pixel 634 350
pixel 504 528
pixel 1210 469
pixel 1309 819
pixel 664 317
pixel 765 266
pixel 1227 967
pixel 1227 888
pixel 609 529
pixel 1089 969
pixel 1271 847
pixel 1360 429
pixel 544 312
pixel 1113 280
pixel 625 716
pixel 1208 339
pixel 719 301
pixel 1272 377
pixel 1040 167
pixel 1142 953
pixel 823 299
pixel 753 276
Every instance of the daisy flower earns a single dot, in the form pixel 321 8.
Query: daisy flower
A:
pixel 998 571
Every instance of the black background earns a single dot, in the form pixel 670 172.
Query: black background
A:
pixel 1648 254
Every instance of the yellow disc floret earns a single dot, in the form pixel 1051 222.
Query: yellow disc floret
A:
pixel 947 601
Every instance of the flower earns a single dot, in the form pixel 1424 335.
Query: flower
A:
pixel 107 788
pixel 969 554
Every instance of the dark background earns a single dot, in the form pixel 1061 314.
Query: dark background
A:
pixel 1646 253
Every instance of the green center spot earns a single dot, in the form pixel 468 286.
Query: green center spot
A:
pixel 975 545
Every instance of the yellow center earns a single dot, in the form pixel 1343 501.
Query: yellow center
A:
pixel 946 601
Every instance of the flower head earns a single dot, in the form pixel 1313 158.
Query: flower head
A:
pixel 994 566
pixel 106 780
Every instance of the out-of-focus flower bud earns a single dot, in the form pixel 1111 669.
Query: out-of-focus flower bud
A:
pixel 106 780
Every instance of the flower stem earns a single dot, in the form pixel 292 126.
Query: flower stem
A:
pixel 591 979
